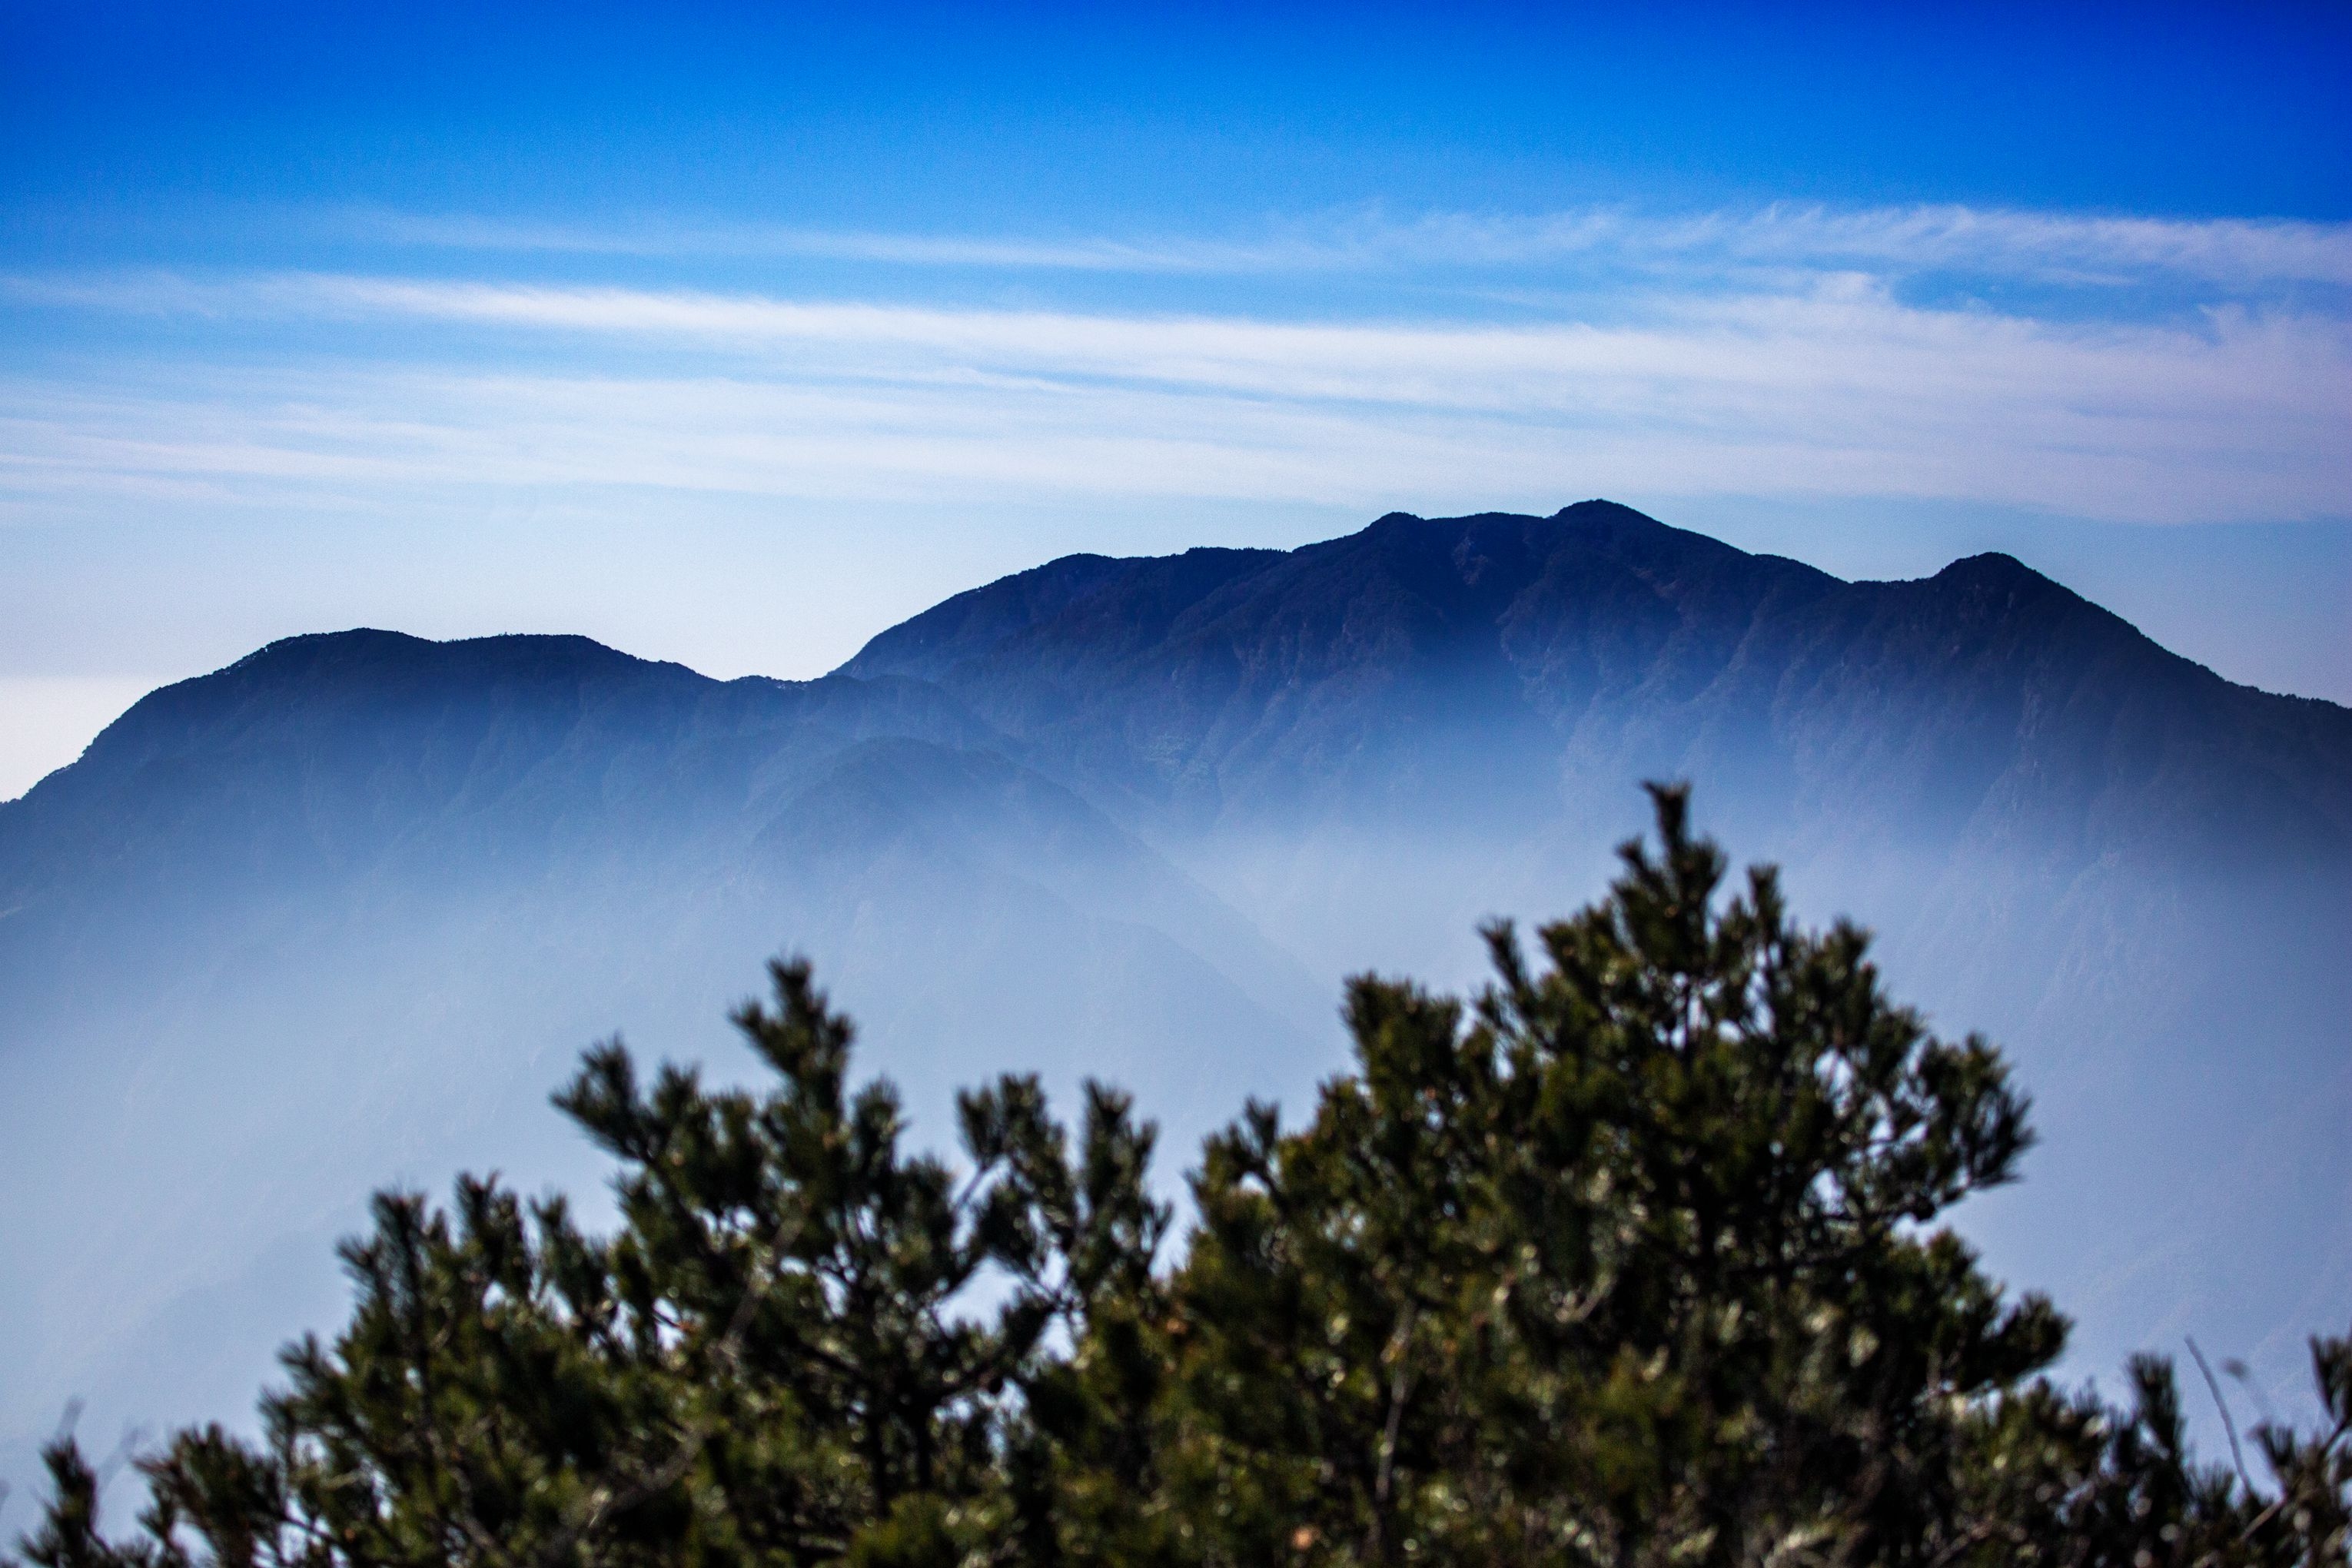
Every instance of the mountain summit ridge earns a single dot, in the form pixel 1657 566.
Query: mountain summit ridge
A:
pixel 1586 633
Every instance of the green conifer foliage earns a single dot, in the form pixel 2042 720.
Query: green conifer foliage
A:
pixel 1633 1258
pixel 1627 1263
pixel 773 1360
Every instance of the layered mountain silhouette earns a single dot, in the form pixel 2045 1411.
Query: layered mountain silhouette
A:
pixel 343 913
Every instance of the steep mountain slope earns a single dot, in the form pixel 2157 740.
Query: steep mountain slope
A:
pixel 345 910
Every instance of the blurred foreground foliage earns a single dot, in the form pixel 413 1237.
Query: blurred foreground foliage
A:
pixel 1633 1259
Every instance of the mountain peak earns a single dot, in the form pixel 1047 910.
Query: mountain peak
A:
pixel 1992 566
pixel 367 651
pixel 2001 583
pixel 1598 511
pixel 366 641
pixel 298 685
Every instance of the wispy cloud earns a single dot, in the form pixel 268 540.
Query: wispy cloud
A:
pixel 2231 253
pixel 1787 350
pixel 1837 388
pixel 687 238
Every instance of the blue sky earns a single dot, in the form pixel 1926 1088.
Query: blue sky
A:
pixel 732 337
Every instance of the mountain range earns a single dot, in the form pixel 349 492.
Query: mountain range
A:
pixel 342 913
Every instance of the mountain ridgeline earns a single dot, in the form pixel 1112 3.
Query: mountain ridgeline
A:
pixel 1389 672
pixel 344 911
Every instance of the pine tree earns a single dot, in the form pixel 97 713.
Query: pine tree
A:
pixel 1633 1258
pixel 1627 1263
pixel 774 1359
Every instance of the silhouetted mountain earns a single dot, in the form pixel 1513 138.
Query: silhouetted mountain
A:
pixel 345 909
pixel 1381 669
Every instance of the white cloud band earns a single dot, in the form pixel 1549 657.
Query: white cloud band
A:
pixel 1832 385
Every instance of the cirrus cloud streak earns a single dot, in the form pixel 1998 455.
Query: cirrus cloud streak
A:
pixel 1834 388
pixel 2234 254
